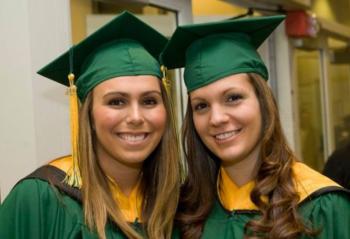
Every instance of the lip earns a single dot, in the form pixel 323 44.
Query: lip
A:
pixel 133 138
pixel 226 136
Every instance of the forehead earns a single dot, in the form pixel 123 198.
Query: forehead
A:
pixel 236 81
pixel 129 84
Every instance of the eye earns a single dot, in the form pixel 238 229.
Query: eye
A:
pixel 150 101
pixel 200 106
pixel 234 98
pixel 117 102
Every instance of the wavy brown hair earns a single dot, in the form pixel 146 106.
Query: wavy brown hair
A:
pixel 279 217
pixel 160 183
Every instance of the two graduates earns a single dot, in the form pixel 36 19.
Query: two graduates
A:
pixel 123 178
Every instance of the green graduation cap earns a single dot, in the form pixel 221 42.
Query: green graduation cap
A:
pixel 124 46
pixel 211 51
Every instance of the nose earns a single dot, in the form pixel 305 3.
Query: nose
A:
pixel 218 116
pixel 135 115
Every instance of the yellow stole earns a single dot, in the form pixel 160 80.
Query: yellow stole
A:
pixel 130 206
pixel 233 197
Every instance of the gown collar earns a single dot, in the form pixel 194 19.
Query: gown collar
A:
pixel 233 197
pixel 130 206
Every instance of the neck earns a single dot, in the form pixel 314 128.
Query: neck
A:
pixel 244 170
pixel 125 175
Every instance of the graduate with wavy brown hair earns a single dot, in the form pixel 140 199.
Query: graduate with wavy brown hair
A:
pixel 122 179
pixel 243 179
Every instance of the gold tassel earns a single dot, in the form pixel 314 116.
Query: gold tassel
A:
pixel 73 177
pixel 165 82
pixel 167 85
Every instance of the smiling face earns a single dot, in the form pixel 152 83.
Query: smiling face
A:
pixel 129 119
pixel 227 117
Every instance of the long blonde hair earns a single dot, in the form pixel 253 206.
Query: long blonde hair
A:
pixel 160 181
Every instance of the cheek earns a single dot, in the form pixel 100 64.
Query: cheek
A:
pixel 159 117
pixel 253 117
pixel 104 118
pixel 164 117
pixel 200 124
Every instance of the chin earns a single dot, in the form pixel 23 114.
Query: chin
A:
pixel 135 158
pixel 230 157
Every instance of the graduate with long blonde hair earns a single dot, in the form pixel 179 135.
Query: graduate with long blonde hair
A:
pixel 122 179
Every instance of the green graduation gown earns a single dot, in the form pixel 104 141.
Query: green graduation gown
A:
pixel 37 209
pixel 324 205
pixel 329 211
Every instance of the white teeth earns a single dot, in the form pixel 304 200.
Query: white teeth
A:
pixel 226 135
pixel 133 137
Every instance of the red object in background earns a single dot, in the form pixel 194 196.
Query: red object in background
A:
pixel 301 24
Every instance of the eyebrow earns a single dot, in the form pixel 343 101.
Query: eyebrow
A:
pixel 231 88
pixel 196 99
pixel 126 94
pixel 222 93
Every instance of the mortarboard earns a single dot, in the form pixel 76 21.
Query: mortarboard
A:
pixel 124 46
pixel 211 51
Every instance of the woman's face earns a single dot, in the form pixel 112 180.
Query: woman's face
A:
pixel 129 118
pixel 227 117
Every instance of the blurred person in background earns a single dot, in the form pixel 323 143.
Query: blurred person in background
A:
pixel 337 166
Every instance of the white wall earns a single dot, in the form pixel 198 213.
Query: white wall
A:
pixel 34 124
pixel 284 75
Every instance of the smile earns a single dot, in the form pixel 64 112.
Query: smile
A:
pixel 133 138
pixel 226 135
